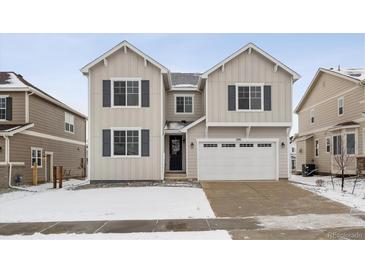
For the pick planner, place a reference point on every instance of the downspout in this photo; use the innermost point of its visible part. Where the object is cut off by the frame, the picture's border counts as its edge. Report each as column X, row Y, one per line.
column 10, row 164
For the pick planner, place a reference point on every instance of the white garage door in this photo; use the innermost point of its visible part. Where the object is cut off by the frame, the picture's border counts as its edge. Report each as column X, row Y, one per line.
column 251, row 160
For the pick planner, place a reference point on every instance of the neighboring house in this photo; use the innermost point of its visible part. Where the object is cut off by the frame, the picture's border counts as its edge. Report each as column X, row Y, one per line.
column 37, row 128
column 331, row 119
column 292, row 154
column 228, row 123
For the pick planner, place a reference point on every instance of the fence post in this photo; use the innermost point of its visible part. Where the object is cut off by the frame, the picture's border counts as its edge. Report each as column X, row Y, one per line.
column 54, row 177
column 35, row 174
column 61, row 176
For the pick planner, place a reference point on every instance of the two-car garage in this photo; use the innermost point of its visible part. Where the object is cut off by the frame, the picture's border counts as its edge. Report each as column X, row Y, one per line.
column 238, row 159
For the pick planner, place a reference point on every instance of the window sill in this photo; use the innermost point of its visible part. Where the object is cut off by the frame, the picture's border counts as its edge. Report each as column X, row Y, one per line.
column 126, row 107
column 250, row 110
column 125, row 156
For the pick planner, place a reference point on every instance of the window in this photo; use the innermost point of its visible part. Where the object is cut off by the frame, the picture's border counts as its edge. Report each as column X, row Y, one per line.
column 126, row 93
column 263, row 145
column 350, row 143
column 340, row 106
column 36, row 157
column 316, row 148
column 336, row 144
column 246, row 145
column 292, row 149
column 311, row 114
column 126, row 142
column 2, row 108
column 210, row 145
column 249, row 97
column 184, row 104
column 69, row 122
column 228, row 145
column 328, row 145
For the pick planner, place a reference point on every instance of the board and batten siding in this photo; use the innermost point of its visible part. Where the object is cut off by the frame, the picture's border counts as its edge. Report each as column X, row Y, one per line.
column 323, row 99
column 198, row 110
column 50, row 119
column 194, row 133
column 18, row 113
column 121, row 64
column 249, row 68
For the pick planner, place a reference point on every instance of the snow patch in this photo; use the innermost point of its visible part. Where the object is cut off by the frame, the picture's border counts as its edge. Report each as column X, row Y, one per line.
column 13, row 82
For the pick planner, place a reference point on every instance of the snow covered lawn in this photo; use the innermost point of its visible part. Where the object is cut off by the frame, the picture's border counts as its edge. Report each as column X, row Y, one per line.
column 198, row 235
column 356, row 200
column 124, row 203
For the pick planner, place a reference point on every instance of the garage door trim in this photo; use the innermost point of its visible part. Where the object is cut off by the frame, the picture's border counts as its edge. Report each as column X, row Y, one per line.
column 238, row 140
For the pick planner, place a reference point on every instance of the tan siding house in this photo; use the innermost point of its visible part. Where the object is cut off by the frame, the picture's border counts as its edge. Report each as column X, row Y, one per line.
column 333, row 105
column 228, row 123
column 37, row 128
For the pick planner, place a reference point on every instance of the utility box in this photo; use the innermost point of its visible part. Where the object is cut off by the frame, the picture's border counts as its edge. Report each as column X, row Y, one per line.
column 307, row 170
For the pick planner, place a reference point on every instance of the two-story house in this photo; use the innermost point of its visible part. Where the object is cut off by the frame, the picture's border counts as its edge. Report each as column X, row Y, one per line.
column 231, row 122
column 37, row 130
column 331, row 120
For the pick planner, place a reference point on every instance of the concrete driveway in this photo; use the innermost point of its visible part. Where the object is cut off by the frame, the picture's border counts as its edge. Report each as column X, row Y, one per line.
column 245, row 199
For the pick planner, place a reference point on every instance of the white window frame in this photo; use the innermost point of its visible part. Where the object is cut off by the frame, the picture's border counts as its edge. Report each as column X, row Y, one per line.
column 355, row 142
column 333, row 137
column 192, row 102
column 316, row 149
column 249, row 97
column 126, row 129
column 341, row 99
column 311, row 115
column 31, row 156
column 4, row 96
column 112, row 80
column 330, row 144
column 67, row 121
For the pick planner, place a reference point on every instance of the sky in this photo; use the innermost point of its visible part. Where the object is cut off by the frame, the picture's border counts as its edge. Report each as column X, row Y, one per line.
column 52, row 62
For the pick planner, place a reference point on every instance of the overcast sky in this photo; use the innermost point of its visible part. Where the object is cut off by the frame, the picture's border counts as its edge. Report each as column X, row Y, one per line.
column 53, row 61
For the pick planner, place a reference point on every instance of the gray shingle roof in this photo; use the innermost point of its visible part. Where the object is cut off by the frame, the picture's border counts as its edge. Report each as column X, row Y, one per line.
column 186, row 79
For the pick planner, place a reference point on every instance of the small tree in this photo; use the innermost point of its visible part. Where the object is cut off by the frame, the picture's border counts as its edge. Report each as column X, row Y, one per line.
column 342, row 160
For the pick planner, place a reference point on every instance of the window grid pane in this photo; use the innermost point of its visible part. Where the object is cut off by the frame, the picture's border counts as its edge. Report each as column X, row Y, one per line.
column 2, row 108
column 180, row 104
column 132, row 93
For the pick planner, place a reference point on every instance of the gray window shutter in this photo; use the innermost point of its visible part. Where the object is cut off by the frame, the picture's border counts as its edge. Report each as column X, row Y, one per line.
column 231, row 97
column 145, row 93
column 145, row 142
column 106, row 142
column 9, row 108
column 106, row 93
column 267, row 98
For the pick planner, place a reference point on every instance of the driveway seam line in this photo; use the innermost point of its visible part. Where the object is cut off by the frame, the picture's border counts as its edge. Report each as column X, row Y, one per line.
column 97, row 230
column 206, row 220
column 48, row 227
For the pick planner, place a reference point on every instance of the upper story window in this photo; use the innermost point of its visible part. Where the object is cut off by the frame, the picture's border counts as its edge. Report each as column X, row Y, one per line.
column 36, row 157
column 2, row 108
column 311, row 116
column 69, row 122
column 249, row 97
column 126, row 93
column 126, row 142
column 340, row 106
column 184, row 104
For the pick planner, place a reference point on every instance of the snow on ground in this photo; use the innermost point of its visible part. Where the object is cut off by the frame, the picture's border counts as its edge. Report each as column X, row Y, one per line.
column 198, row 235
column 310, row 221
column 124, row 203
column 356, row 200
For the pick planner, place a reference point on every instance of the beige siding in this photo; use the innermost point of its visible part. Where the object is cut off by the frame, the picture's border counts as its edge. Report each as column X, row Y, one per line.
column 50, row 119
column 249, row 68
column 2, row 150
column 305, row 153
column 18, row 107
column 170, row 106
column 192, row 135
column 128, row 64
column 226, row 132
column 65, row 154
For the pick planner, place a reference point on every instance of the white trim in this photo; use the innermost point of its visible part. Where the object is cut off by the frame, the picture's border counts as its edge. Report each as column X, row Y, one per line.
column 174, row 88
column 249, row 96
column 50, row 153
column 355, row 140
column 249, row 47
column 315, row 148
column 343, row 127
column 67, row 122
column 239, row 140
column 314, row 80
column 312, row 115
column 52, row 137
column 125, row 44
column 247, row 124
column 112, row 129
column 26, row 107
column 185, row 129
column 18, row 129
column 125, row 79
column 89, row 127
column 192, row 104
column 338, row 105
column 1, row 97
column 12, row 163
column 162, row 124
column 31, row 156
column 206, row 99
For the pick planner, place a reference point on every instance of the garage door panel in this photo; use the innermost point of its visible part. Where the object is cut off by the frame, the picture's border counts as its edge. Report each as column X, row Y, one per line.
column 253, row 161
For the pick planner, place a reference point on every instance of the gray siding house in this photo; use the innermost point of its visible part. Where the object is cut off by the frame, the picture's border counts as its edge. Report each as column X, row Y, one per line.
column 230, row 122
column 37, row 128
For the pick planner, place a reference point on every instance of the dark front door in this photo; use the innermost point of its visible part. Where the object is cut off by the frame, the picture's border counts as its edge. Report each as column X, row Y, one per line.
column 175, row 152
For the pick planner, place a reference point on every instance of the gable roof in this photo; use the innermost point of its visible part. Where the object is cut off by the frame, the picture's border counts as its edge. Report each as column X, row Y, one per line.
column 342, row 74
column 11, row 81
column 85, row 69
column 295, row 75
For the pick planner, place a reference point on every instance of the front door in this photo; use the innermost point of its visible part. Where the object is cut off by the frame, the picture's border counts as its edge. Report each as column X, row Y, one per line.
column 175, row 152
